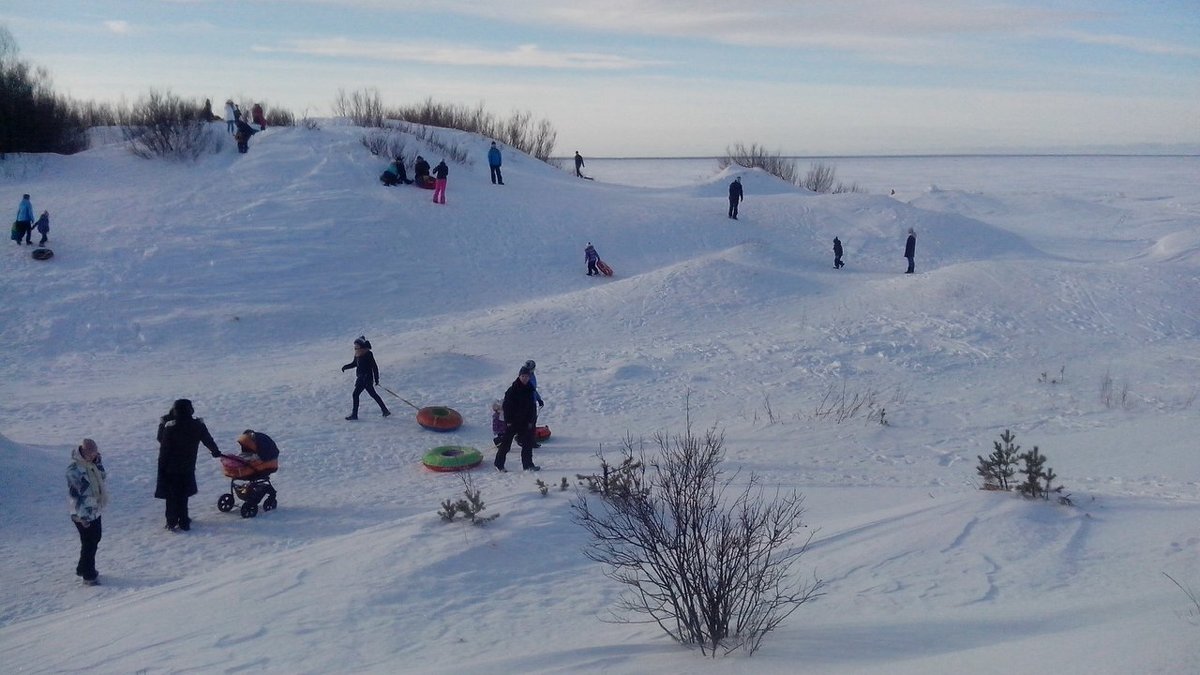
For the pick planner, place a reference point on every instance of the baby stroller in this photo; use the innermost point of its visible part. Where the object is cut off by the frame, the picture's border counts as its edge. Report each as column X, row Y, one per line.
column 250, row 474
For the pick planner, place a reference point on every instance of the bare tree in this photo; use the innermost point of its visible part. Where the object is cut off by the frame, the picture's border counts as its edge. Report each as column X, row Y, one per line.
column 710, row 563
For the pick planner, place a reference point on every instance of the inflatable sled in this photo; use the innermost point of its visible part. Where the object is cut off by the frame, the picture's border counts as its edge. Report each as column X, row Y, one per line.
column 541, row 433
column 604, row 268
column 452, row 458
column 42, row 254
column 439, row 418
column 424, row 182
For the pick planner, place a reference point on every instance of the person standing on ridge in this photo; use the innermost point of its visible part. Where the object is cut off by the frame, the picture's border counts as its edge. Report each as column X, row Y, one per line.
column 578, row 164
column 494, row 161
column 837, row 254
column 910, row 249
column 439, row 183
column 366, row 374
column 735, row 197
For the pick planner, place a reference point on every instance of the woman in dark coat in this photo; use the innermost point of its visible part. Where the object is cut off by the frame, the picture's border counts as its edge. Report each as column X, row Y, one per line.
column 910, row 249
column 520, row 412
column 179, row 437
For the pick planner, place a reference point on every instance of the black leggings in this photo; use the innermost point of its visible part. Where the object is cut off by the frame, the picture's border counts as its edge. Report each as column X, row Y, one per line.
column 362, row 385
column 89, row 541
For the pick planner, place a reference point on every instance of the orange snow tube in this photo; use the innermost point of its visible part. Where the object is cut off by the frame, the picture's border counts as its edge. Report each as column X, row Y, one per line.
column 439, row 418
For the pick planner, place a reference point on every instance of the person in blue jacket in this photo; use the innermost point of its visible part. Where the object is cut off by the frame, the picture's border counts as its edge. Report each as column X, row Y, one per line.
column 494, row 163
column 23, row 225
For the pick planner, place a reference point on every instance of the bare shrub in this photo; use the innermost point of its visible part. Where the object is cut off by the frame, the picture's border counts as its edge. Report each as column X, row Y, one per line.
column 757, row 157
column 819, row 177
column 840, row 405
column 162, row 124
column 363, row 107
column 385, row 143
column 711, row 564
column 520, row 131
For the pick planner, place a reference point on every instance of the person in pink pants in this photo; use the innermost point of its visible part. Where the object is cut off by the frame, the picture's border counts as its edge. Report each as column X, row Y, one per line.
column 439, row 184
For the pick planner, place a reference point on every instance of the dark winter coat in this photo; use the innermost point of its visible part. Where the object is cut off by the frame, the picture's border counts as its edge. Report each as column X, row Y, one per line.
column 178, row 440
column 421, row 168
column 590, row 255
column 578, row 161
column 441, row 171
column 910, row 246
column 837, row 247
column 365, row 368
column 520, row 409
column 735, row 191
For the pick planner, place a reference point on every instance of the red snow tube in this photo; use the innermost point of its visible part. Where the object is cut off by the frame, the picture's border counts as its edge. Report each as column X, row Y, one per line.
column 541, row 433
column 439, row 418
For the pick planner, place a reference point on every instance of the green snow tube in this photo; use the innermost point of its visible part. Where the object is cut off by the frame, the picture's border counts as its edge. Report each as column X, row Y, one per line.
column 452, row 458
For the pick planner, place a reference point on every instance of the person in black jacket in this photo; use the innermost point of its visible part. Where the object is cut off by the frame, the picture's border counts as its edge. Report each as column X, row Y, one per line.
column 837, row 254
column 366, row 373
column 910, row 249
column 439, row 182
column 421, row 173
column 735, row 196
column 179, row 437
column 520, row 412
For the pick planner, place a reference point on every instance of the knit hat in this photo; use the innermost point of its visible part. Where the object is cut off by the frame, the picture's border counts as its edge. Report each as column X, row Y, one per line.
column 530, row 365
column 363, row 342
column 525, row 371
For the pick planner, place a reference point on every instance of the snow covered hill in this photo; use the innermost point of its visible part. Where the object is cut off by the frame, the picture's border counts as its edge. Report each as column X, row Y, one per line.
column 239, row 281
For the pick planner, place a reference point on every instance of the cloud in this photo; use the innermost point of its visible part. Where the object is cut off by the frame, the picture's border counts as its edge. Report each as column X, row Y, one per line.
column 1134, row 44
column 522, row 56
column 119, row 27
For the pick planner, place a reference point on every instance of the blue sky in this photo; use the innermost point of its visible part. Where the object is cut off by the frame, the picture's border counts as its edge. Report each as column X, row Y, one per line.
column 667, row 77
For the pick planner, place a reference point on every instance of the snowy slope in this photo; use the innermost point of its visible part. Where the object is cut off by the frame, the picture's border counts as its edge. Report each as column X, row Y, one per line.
column 239, row 281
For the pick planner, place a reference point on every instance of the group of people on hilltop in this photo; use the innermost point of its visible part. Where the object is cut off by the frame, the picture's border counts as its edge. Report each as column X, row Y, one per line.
column 737, row 194
column 180, row 435
column 237, row 125
column 24, row 225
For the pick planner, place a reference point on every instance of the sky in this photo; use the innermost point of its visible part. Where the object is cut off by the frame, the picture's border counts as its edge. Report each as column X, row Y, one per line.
column 671, row 78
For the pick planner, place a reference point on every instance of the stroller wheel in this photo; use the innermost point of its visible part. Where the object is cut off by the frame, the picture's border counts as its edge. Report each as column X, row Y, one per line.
column 270, row 503
column 225, row 503
column 249, row 510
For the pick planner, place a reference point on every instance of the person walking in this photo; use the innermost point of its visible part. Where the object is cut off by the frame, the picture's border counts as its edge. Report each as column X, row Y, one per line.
column 230, row 116
column 578, row 164
column 837, row 254
column 23, row 225
column 494, row 161
column 735, row 197
column 910, row 249
column 89, row 496
column 366, row 374
column 43, row 227
column 439, row 183
column 242, row 136
column 179, row 437
column 519, row 417
column 591, row 258
column 537, row 398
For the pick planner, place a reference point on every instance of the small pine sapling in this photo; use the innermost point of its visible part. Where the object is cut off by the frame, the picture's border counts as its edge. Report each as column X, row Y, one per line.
column 1001, row 464
column 564, row 485
column 542, row 487
column 1032, row 463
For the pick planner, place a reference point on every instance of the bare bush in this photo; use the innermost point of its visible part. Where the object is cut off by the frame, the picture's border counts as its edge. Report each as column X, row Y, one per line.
column 520, row 131
column 363, row 107
column 757, row 157
column 840, row 405
column 711, row 564
column 385, row 143
column 165, row 125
